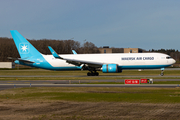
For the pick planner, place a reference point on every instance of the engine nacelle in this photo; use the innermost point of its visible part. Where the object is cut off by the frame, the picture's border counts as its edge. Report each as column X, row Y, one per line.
column 110, row 68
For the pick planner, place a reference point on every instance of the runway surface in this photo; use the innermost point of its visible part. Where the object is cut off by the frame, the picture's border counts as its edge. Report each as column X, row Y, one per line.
column 9, row 86
column 82, row 83
column 77, row 83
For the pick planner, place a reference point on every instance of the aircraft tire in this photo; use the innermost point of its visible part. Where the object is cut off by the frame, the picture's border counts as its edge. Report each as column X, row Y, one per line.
column 92, row 74
column 162, row 74
column 96, row 74
column 88, row 74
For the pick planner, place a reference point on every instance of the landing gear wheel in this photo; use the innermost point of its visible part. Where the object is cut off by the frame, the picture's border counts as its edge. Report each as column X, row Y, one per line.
column 162, row 74
column 96, row 74
column 92, row 74
column 88, row 74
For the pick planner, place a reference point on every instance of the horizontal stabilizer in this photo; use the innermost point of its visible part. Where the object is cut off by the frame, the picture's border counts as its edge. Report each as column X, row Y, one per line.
column 54, row 53
column 19, row 59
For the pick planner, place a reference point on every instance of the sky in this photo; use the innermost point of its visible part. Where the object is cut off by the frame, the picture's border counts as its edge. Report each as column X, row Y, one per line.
column 146, row 24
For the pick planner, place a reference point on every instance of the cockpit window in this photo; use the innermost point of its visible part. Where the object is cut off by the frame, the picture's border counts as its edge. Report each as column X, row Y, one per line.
column 168, row 57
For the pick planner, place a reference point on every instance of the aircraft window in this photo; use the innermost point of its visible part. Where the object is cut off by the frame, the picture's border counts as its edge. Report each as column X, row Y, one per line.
column 168, row 57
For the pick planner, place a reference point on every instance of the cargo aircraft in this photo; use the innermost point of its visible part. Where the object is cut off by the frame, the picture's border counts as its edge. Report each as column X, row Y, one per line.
column 107, row 63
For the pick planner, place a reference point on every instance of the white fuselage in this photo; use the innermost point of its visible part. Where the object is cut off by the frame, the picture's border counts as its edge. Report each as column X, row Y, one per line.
column 125, row 60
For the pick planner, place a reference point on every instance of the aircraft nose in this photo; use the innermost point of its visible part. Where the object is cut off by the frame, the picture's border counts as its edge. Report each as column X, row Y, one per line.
column 174, row 61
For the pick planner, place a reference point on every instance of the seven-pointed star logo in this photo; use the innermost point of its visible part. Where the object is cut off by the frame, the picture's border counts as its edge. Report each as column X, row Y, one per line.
column 24, row 48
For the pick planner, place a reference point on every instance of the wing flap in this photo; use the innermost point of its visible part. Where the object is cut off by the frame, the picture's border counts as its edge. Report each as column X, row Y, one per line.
column 80, row 62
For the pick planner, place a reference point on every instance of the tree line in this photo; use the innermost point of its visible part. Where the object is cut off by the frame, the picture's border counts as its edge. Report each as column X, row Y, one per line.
column 8, row 48
column 172, row 52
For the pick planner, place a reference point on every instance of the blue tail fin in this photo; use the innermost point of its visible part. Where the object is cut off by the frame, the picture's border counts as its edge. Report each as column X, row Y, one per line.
column 25, row 49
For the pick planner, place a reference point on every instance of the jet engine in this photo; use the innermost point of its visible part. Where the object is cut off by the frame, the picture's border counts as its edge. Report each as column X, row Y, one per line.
column 110, row 68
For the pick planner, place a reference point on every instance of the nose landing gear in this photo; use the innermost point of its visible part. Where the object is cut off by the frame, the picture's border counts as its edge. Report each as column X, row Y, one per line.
column 162, row 72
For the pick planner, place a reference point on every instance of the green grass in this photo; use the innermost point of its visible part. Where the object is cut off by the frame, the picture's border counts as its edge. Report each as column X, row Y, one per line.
column 142, row 95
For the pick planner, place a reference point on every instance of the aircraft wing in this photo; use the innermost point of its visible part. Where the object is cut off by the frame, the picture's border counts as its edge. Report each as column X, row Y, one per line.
column 80, row 62
column 54, row 53
column 74, row 52
column 76, row 61
column 22, row 60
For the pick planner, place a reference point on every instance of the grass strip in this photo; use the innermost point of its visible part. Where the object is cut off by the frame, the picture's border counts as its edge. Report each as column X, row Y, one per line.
column 142, row 95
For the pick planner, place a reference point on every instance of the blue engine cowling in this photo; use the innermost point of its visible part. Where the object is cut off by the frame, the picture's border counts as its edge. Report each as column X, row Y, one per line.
column 111, row 68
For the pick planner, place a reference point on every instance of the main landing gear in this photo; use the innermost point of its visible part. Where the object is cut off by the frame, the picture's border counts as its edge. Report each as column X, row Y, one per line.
column 162, row 72
column 92, row 73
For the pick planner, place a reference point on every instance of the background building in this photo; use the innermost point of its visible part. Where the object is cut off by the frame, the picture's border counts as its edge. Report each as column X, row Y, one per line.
column 133, row 50
column 7, row 65
column 105, row 49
